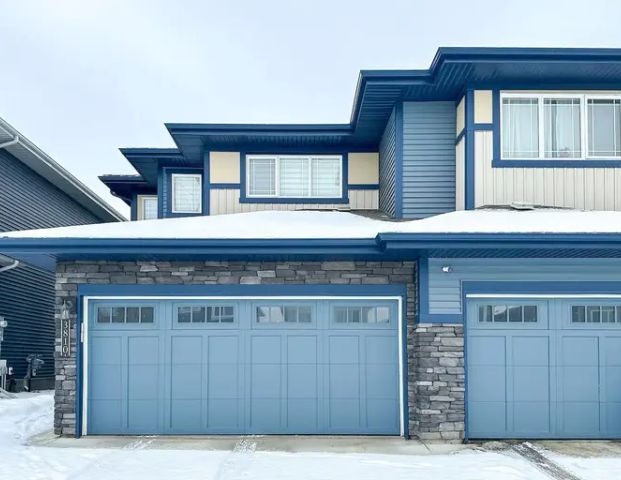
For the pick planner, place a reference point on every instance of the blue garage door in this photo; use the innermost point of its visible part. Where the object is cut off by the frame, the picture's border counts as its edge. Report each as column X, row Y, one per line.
column 544, row 368
column 243, row 366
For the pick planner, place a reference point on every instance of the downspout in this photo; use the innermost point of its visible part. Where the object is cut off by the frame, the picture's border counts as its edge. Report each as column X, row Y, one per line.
column 10, row 142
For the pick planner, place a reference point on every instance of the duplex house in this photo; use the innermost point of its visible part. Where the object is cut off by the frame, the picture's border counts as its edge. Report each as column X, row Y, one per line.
column 445, row 265
column 35, row 192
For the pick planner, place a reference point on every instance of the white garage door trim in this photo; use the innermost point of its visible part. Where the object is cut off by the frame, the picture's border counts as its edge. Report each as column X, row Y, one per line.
column 85, row 322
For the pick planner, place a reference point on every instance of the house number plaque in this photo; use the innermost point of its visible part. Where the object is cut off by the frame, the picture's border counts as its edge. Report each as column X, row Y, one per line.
column 65, row 337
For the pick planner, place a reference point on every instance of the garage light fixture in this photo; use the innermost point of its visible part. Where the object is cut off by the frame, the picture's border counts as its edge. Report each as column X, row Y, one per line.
column 447, row 269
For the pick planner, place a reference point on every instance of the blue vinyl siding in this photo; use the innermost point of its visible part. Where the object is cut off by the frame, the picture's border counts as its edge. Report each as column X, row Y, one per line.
column 428, row 158
column 387, row 167
column 27, row 303
column 445, row 295
column 29, row 201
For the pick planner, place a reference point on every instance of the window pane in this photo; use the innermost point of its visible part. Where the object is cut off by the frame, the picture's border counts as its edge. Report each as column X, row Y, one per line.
column 500, row 313
column 146, row 315
column 578, row 314
column 485, row 313
column 304, row 314
column 515, row 313
column 608, row 314
column 561, row 127
column 262, row 176
column 149, row 208
column 187, row 193
column 133, row 314
column 291, row 314
column 198, row 314
column 227, row 314
column 368, row 314
column 326, row 177
column 593, row 314
column 353, row 315
column 294, row 177
column 604, row 127
column 383, row 315
column 520, row 128
column 118, row 315
column 530, row 313
column 184, row 314
column 340, row 314
column 103, row 314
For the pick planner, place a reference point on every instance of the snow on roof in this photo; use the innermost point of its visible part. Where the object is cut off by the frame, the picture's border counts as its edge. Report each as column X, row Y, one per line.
column 335, row 225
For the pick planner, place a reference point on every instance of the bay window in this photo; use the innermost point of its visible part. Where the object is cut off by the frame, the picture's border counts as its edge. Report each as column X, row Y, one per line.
column 571, row 126
column 294, row 176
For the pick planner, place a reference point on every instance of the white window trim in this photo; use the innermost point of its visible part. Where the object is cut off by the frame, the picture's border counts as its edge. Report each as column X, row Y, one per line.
column 172, row 192
column 277, row 158
column 140, row 207
column 584, row 97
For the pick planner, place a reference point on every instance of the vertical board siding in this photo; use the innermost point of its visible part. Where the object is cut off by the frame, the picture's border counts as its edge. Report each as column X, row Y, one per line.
column 445, row 288
column 28, row 200
column 428, row 158
column 387, row 167
column 460, row 175
column 226, row 200
column 579, row 188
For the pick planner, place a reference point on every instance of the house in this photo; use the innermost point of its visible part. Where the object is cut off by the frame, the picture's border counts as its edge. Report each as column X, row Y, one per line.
column 446, row 265
column 35, row 192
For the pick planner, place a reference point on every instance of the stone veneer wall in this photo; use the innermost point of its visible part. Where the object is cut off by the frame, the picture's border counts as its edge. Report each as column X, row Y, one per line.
column 70, row 274
column 436, row 381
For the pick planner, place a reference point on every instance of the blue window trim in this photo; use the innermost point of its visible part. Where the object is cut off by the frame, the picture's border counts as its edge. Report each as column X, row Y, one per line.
column 363, row 186
column 498, row 162
column 133, row 215
column 243, row 198
column 167, row 174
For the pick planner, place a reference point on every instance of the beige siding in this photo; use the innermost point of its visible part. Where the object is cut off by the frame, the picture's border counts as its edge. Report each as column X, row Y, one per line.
column 483, row 106
column 224, row 167
column 581, row 188
column 460, row 120
column 363, row 168
column 222, row 201
column 460, row 176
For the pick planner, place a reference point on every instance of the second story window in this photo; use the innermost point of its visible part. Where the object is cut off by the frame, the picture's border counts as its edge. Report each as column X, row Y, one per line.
column 147, row 207
column 571, row 126
column 294, row 176
column 186, row 193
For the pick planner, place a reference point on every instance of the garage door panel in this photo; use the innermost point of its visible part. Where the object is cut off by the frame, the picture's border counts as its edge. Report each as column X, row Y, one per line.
column 530, row 350
column 486, row 350
column 531, row 384
column 487, row 418
column 580, row 418
column 202, row 369
column 579, row 350
column 532, row 418
column 487, row 384
column 611, row 418
column 612, row 384
column 579, row 384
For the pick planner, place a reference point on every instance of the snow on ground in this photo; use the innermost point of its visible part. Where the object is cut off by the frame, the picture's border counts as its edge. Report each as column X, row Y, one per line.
column 30, row 414
column 600, row 468
column 330, row 225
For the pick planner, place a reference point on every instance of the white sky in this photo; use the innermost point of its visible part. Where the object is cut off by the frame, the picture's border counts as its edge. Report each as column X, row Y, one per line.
column 81, row 78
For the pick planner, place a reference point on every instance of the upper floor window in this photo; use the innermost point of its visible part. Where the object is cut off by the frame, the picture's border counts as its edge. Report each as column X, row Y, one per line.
column 560, row 126
column 294, row 176
column 147, row 207
column 186, row 193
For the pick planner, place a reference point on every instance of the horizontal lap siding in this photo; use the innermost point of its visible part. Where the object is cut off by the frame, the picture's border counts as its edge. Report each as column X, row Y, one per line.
column 428, row 158
column 445, row 288
column 387, row 167
column 28, row 201
column 581, row 188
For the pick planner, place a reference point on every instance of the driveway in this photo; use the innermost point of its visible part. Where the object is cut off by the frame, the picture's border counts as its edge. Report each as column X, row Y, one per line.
column 31, row 451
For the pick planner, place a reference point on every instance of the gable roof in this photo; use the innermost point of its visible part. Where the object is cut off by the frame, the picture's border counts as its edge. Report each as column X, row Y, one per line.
column 40, row 162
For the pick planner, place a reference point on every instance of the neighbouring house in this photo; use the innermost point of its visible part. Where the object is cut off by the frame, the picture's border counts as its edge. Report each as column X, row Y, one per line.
column 35, row 192
column 446, row 265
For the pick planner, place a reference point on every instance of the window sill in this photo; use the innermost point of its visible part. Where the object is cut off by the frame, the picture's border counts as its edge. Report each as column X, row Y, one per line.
column 310, row 200
column 616, row 163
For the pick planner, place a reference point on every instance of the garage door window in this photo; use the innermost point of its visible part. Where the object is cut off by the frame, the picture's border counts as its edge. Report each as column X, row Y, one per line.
column 202, row 314
column 355, row 315
column 125, row 315
column 291, row 314
column 507, row 314
column 595, row 314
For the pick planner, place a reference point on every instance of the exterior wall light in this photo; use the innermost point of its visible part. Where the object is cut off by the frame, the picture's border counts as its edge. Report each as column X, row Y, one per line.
column 447, row 269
